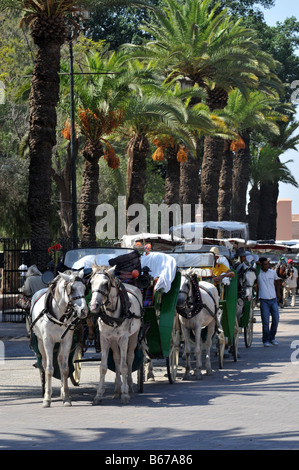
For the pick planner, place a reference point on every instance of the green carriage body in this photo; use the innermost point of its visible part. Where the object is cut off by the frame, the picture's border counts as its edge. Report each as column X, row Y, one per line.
column 161, row 318
column 229, row 309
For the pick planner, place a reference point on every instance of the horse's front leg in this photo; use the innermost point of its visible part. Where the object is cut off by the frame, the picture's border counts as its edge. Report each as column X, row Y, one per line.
column 211, row 330
column 197, row 352
column 103, row 370
column 130, row 358
column 63, row 359
column 186, row 334
column 46, row 349
column 116, row 358
column 123, row 346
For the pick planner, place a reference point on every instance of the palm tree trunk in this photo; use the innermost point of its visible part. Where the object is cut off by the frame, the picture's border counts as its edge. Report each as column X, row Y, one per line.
column 225, row 184
column 138, row 149
column 190, row 181
column 42, row 137
column 268, row 211
column 92, row 152
column 212, row 161
column 241, row 179
column 172, row 179
column 62, row 178
column 253, row 211
column 210, row 175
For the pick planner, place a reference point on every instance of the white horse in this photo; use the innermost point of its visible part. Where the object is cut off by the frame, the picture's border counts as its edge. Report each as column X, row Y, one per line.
column 119, row 308
column 246, row 280
column 54, row 313
column 197, row 306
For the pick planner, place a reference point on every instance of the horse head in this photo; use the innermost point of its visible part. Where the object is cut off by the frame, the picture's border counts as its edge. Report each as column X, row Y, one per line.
column 71, row 289
column 185, row 295
column 102, row 280
column 248, row 281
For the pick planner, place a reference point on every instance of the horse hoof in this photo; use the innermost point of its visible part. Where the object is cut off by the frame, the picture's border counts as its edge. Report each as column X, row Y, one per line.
column 187, row 376
column 67, row 404
column 125, row 400
column 46, row 404
column 116, row 395
column 209, row 372
column 198, row 376
column 97, row 401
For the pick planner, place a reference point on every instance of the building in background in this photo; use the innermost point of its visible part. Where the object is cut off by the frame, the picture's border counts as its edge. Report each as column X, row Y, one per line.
column 287, row 223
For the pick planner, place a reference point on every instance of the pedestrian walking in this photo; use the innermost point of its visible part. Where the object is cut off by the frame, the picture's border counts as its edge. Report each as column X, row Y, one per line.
column 290, row 284
column 269, row 296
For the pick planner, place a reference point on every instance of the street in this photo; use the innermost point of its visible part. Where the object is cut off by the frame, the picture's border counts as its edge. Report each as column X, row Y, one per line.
column 250, row 404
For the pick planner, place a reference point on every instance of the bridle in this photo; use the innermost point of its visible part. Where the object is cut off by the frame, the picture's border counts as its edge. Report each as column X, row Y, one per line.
column 122, row 296
column 69, row 312
column 197, row 302
column 193, row 303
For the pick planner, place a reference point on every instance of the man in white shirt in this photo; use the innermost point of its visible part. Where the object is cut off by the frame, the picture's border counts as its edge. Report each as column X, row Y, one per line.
column 290, row 284
column 269, row 295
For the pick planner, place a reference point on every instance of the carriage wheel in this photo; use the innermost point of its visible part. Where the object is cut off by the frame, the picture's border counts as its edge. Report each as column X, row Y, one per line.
column 140, row 377
column 172, row 360
column 235, row 345
column 248, row 330
column 76, row 375
column 220, row 345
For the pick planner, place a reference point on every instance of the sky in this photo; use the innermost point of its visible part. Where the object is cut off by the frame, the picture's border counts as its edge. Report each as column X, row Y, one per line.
column 284, row 9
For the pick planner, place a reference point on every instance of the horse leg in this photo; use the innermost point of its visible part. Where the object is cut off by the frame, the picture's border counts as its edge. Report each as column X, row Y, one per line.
column 130, row 358
column 103, row 370
column 123, row 345
column 46, row 350
column 197, row 352
column 150, row 370
column 63, row 359
column 186, row 334
column 211, row 329
column 116, row 358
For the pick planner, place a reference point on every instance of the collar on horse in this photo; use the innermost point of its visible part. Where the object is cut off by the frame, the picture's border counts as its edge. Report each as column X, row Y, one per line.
column 48, row 310
column 122, row 296
column 197, row 303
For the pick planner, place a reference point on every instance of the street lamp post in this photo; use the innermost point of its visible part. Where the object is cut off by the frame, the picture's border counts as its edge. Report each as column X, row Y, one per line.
column 82, row 16
column 73, row 152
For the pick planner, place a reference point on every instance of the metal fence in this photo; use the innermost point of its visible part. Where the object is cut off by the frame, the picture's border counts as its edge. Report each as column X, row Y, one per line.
column 15, row 258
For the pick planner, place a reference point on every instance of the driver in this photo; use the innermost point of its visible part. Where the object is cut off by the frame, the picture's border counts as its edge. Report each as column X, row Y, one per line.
column 33, row 282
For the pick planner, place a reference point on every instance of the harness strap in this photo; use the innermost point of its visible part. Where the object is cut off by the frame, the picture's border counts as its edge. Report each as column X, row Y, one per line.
column 199, row 305
column 49, row 311
column 126, row 313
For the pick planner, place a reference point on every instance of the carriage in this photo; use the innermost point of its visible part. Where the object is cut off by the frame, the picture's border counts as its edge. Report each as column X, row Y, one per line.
column 159, row 283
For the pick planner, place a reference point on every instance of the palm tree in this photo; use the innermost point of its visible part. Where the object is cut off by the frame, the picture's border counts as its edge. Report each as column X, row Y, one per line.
column 269, row 190
column 148, row 116
column 266, row 171
column 100, row 99
column 48, row 27
column 258, row 112
column 217, row 53
column 47, row 20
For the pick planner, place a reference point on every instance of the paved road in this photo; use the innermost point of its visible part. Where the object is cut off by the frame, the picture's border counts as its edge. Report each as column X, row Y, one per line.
column 250, row 404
